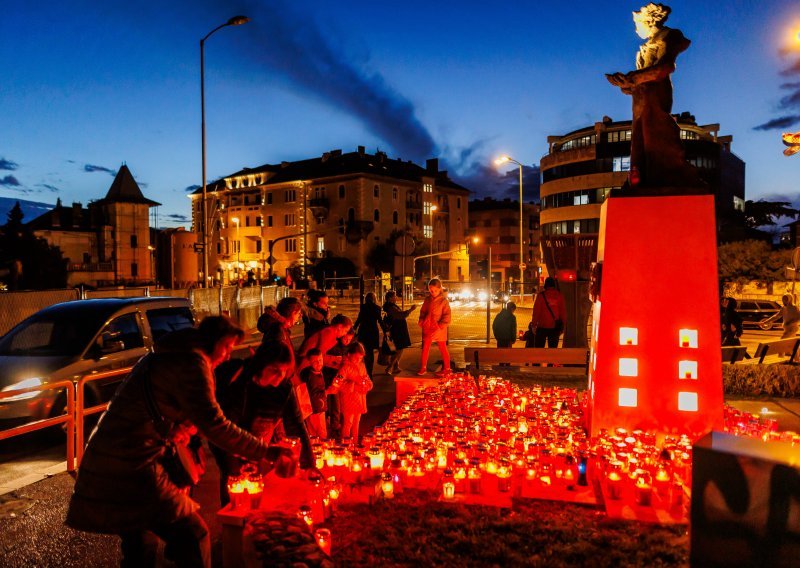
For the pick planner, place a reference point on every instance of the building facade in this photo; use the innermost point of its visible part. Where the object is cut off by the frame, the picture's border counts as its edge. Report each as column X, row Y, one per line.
column 582, row 168
column 338, row 205
column 107, row 243
column 496, row 224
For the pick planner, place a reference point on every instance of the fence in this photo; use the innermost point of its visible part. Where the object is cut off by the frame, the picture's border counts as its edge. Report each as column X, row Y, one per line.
column 242, row 304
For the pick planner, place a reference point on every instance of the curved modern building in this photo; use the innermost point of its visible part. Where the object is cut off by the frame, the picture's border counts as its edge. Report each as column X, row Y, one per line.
column 582, row 167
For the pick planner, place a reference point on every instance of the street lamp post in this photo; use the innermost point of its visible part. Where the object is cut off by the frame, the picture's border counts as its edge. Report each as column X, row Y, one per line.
column 433, row 210
column 238, row 246
column 503, row 160
column 235, row 21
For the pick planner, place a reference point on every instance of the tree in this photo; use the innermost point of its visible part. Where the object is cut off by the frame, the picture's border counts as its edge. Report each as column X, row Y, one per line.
column 331, row 266
column 744, row 261
column 30, row 261
column 761, row 213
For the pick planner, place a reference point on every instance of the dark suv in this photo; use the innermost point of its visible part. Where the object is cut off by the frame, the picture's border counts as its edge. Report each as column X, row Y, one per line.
column 69, row 340
column 753, row 312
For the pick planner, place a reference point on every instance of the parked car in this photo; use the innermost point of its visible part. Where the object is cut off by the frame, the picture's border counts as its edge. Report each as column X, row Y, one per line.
column 754, row 312
column 69, row 340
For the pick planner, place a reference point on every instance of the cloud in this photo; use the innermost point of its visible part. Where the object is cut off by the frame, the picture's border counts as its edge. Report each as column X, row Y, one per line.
column 48, row 187
column 793, row 69
column 90, row 168
column 10, row 181
column 8, row 165
column 191, row 188
column 779, row 123
column 177, row 218
column 296, row 48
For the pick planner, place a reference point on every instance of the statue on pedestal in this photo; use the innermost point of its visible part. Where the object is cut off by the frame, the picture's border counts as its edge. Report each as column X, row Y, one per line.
column 657, row 156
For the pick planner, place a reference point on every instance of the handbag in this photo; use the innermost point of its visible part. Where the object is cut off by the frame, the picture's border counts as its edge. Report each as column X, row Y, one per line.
column 303, row 400
column 386, row 351
column 183, row 463
column 558, row 325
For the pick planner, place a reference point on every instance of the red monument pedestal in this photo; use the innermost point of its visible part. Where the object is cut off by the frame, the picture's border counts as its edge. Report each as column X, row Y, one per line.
column 655, row 362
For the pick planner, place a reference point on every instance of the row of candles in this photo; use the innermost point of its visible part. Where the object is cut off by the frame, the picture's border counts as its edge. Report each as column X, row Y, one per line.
column 490, row 437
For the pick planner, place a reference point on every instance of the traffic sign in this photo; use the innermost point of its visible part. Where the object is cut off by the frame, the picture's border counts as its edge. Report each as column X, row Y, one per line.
column 523, row 266
column 271, row 260
column 198, row 247
column 404, row 245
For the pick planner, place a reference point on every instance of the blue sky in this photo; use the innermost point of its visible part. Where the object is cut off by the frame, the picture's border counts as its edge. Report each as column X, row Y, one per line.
column 89, row 85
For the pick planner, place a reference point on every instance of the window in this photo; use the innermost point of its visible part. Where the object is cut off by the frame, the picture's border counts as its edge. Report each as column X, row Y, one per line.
column 290, row 245
column 622, row 164
column 258, row 245
column 290, row 219
column 247, row 220
column 269, row 220
column 458, row 203
column 619, row 136
column 320, row 245
column 319, row 193
column 376, row 216
column 427, row 188
column 395, row 217
column 341, row 192
column 394, row 194
column 290, row 195
column 165, row 320
column 582, row 142
column 236, row 247
column 351, row 215
column 126, row 330
column 342, row 243
column 269, row 198
column 134, row 269
column 738, row 204
column 376, row 191
column 134, row 241
column 259, row 221
column 426, row 208
column 689, row 135
column 219, row 248
column 427, row 231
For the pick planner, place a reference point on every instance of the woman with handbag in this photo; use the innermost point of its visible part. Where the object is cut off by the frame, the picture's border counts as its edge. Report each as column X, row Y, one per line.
column 549, row 316
column 368, row 330
column 129, row 481
column 396, row 332
column 434, row 319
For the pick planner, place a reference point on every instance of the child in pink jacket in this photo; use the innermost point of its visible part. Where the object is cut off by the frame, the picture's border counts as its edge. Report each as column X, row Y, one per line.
column 353, row 384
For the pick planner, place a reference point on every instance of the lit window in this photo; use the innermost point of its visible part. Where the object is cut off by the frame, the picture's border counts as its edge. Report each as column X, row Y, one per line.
column 629, row 397
column 628, row 367
column 629, row 336
column 688, row 338
column 687, row 369
column 687, row 401
column 622, row 164
column 427, row 231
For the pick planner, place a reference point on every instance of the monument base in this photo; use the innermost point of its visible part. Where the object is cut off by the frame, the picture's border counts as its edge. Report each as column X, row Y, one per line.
column 655, row 362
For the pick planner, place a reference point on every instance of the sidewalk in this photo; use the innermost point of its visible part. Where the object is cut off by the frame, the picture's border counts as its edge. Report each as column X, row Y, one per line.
column 33, row 533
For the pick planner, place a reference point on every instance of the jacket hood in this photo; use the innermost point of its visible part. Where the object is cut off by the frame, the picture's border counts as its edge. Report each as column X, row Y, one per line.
column 270, row 317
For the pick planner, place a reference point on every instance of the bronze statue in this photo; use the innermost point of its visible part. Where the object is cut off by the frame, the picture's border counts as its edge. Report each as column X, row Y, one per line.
column 657, row 157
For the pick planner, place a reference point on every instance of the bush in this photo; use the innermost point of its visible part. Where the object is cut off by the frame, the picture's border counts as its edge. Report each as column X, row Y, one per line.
column 762, row 380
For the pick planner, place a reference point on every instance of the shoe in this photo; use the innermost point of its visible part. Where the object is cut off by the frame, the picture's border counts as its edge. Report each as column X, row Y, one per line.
column 422, row 372
column 388, row 371
column 441, row 374
column 396, row 370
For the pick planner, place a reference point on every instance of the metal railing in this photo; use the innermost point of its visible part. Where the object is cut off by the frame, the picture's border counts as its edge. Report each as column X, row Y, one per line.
column 68, row 418
column 81, row 412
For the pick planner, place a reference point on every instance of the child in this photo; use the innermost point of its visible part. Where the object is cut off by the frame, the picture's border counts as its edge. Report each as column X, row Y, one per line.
column 353, row 384
column 315, row 382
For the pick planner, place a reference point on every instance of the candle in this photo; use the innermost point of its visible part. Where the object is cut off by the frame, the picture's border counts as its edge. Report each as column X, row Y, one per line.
column 644, row 492
column 614, row 483
column 387, row 486
column 448, row 486
column 323, row 538
column 305, row 514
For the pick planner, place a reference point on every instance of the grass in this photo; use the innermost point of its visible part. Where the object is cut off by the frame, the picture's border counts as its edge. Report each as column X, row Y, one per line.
column 415, row 530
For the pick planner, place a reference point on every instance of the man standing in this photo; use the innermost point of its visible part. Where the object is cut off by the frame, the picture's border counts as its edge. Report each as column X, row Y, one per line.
column 504, row 326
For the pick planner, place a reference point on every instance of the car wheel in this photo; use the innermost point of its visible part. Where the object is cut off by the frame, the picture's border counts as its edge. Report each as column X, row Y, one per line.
column 766, row 326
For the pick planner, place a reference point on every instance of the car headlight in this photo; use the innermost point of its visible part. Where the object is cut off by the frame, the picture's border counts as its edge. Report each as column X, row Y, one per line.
column 482, row 296
column 26, row 384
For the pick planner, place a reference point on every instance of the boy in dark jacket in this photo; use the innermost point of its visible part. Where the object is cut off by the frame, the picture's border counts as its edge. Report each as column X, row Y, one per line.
column 315, row 382
column 505, row 326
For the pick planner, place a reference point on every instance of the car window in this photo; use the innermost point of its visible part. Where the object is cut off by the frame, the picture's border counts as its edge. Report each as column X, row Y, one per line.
column 164, row 320
column 747, row 306
column 767, row 306
column 51, row 334
column 125, row 329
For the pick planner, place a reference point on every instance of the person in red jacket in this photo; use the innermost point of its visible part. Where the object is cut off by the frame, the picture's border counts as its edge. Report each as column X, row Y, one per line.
column 549, row 316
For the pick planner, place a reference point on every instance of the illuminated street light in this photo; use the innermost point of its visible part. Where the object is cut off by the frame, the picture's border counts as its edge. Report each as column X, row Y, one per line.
column 499, row 161
column 235, row 21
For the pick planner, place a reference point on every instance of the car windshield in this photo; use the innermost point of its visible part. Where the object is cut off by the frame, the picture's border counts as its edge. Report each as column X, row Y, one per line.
column 53, row 334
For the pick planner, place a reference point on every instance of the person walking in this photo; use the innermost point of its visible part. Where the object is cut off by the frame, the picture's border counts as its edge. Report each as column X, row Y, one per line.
column 123, row 486
column 549, row 315
column 731, row 323
column 396, row 327
column 504, row 326
column 789, row 315
column 368, row 330
column 434, row 319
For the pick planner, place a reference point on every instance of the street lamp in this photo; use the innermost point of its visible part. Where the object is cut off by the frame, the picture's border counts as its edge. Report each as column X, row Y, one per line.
column 238, row 246
column 433, row 210
column 235, row 21
column 522, row 267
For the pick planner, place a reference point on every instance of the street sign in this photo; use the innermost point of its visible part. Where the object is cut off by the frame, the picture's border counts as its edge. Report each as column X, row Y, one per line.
column 404, row 245
column 271, row 260
column 386, row 279
column 198, row 247
column 523, row 266
column 408, row 280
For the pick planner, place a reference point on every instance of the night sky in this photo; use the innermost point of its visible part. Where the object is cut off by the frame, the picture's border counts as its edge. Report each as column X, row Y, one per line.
column 89, row 85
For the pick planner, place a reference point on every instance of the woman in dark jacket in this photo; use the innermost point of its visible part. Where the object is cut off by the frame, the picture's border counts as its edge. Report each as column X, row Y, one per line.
column 122, row 487
column 368, row 330
column 731, row 323
column 257, row 395
column 397, row 328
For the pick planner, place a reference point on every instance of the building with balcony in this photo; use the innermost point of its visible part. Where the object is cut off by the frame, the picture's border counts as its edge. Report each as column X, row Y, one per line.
column 335, row 205
column 106, row 243
column 496, row 224
column 582, row 168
